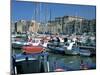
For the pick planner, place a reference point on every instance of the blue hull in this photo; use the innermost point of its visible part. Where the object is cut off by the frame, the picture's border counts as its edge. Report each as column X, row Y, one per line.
column 29, row 63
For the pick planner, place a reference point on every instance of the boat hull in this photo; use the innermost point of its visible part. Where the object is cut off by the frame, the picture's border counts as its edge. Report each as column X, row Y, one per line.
column 19, row 45
column 56, row 50
column 32, row 49
column 28, row 63
column 87, row 51
column 71, row 52
column 84, row 52
column 62, row 50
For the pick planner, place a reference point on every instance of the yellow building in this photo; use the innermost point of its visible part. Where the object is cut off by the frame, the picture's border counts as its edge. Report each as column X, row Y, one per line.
column 34, row 26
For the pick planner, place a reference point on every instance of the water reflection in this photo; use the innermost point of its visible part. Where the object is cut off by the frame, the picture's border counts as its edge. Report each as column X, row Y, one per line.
column 70, row 62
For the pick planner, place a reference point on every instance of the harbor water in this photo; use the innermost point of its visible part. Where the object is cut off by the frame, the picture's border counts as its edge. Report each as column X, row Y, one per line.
column 69, row 63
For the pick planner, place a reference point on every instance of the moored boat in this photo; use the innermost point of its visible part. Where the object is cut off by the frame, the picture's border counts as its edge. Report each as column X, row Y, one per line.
column 62, row 49
column 87, row 50
column 71, row 52
column 72, row 49
column 32, row 49
column 56, row 50
column 84, row 52
column 25, row 63
column 19, row 44
column 34, row 42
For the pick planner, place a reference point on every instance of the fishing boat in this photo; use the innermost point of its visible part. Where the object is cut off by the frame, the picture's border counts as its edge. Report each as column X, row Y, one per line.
column 71, row 52
column 62, row 49
column 33, row 49
column 37, row 42
column 36, row 46
column 19, row 44
column 55, row 49
column 72, row 49
column 25, row 63
column 34, row 41
column 87, row 51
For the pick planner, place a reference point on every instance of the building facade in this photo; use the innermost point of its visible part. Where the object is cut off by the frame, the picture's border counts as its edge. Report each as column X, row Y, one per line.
column 71, row 25
column 23, row 26
column 34, row 26
column 66, row 25
column 12, row 27
column 62, row 25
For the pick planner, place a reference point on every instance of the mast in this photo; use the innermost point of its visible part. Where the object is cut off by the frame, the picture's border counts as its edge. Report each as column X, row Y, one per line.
column 75, row 23
column 50, row 19
column 45, row 17
column 37, row 14
column 40, row 12
column 80, row 25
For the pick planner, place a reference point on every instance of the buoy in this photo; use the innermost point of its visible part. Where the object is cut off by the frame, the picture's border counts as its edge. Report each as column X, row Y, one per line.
column 59, row 70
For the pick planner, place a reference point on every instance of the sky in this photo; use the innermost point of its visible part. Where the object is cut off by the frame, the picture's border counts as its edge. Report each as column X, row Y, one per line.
column 48, row 11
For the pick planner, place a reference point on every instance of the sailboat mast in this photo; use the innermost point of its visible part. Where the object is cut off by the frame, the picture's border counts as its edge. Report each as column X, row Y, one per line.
column 45, row 17
column 50, row 15
column 75, row 26
column 80, row 25
column 39, row 14
column 35, row 15
column 75, row 23
column 50, row 20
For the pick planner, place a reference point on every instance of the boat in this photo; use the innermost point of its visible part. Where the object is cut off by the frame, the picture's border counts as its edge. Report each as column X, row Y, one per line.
column 33, row 49
column 19, row 44
column 84, row 53
column 62, row 49
column 25, row 63
column 71, row 52
column 38, row 42
column 36, row 46
column 55, row 49
column 87, row 50
column 72, row 49
column 34, row 42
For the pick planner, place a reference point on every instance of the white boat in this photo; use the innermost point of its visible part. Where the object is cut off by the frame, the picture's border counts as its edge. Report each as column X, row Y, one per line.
column 68, row 50
column 72, row 49
column 19, row 44
column 38, row 42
